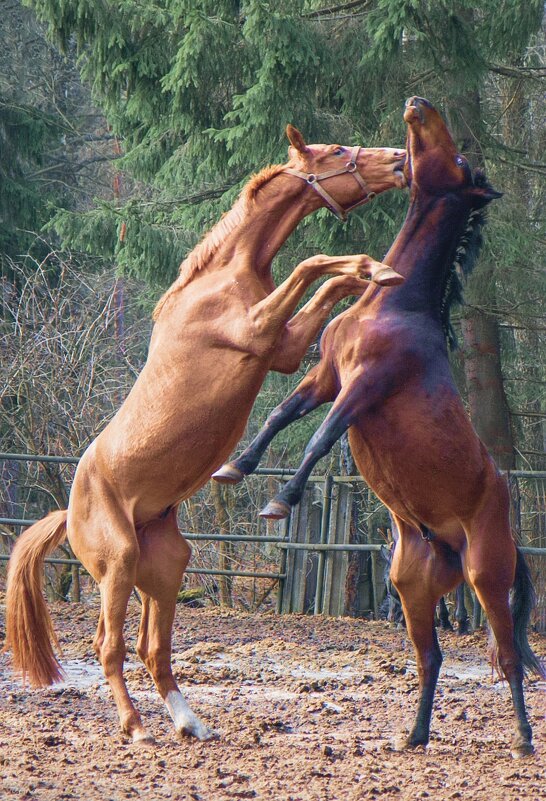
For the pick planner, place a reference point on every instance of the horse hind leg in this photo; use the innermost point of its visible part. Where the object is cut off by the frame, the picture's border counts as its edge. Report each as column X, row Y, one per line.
column 492, row 568
column 164, row 555
column 422, row 572
column 107, row 547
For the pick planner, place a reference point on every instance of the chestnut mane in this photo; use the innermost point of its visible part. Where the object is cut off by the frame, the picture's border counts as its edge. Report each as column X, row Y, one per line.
column 203, row 252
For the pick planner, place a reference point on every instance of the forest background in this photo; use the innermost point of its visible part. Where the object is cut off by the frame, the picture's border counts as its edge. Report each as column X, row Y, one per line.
column 128, row 128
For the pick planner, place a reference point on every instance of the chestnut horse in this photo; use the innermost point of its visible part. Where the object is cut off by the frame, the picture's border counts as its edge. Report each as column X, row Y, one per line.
column 385, row 365
column 218, row 330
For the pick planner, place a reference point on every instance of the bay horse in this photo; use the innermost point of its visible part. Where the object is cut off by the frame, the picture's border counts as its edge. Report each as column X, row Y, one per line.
column 218, row 330
column 384, row 364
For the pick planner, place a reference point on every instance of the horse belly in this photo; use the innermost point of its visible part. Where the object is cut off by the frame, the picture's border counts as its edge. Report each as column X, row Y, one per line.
column 170, row 436
column 422, row 458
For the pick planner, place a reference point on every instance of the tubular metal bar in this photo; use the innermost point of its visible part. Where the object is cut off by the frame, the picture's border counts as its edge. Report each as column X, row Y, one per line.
column 19, row 521
column 281, row 542
column 282, row 567
column 260, row 471
column 324, row 531
column 241, row 573
column 49, row 559
column 29, row 457
column 337, row 546
column 204, row 571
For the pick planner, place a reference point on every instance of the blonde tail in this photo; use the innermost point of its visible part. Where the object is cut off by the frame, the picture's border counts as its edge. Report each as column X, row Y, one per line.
column 29, row 630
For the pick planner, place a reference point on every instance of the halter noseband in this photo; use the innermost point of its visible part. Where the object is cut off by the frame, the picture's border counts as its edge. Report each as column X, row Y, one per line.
column 314, row 182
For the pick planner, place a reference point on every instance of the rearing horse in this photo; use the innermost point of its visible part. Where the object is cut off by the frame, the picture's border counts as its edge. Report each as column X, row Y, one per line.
column 385, row 365
column 218, row 330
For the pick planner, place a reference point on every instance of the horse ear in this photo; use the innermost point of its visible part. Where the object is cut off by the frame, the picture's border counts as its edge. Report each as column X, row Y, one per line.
column 482, row 190
column 296, row 139
column 485, row 194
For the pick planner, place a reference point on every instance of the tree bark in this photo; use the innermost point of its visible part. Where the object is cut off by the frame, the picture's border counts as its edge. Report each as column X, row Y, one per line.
column 225, row 583
column 486, row 397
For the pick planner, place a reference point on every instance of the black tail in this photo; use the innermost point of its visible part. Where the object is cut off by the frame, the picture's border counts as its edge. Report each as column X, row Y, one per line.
column 522, row 604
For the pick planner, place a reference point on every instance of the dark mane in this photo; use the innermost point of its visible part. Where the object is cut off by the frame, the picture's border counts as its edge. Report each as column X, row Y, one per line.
column 466, row 255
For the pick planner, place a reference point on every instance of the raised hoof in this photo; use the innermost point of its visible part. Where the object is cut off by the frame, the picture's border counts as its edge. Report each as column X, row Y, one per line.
column 228, row 474
column 276, row 510
column 388, row 277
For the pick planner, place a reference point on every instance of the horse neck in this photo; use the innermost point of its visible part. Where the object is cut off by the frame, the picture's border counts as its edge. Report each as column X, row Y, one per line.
column 423, row 252
column 270, row 217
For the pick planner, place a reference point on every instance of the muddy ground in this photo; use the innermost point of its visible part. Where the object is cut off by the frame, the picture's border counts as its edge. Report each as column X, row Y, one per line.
column 307, row 709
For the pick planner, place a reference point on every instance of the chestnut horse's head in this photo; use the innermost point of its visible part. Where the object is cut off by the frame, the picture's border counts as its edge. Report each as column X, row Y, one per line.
column 433, row 164
column 345, row 176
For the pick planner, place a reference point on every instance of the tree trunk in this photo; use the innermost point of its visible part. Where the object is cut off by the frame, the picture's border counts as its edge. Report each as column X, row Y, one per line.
column 225, row 583
column 486, row 398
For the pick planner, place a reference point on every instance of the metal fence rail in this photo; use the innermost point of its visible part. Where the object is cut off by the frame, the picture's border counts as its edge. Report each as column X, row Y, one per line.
column 329, row 542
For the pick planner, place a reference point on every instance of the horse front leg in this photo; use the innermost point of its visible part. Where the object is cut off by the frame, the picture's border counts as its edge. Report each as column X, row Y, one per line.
column 270, row 315
column 302, row 330
column 363, row 389
column 335, row 424
column 310, row 394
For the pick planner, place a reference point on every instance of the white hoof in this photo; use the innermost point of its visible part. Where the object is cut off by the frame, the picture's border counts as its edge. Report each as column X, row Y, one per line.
column 186, row 722
column 142, row 738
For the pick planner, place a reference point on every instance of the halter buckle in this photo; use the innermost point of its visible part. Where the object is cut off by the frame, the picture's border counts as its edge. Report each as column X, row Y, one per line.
column 311, row 178
column 351, row 166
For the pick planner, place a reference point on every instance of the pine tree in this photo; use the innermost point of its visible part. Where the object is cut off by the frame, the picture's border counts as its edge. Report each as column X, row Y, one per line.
column 198, row 94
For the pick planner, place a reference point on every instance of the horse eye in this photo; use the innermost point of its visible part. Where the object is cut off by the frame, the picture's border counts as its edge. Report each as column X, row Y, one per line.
column 339, row 151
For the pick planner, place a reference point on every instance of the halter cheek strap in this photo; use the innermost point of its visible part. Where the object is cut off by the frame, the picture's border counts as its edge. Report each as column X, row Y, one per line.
column 350, row 167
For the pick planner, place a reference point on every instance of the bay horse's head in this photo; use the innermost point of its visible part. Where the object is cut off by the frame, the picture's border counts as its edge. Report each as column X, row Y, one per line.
column 344, row 176
column 433, row 163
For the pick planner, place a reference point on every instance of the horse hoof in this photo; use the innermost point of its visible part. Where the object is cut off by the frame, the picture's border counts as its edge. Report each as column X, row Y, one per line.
column 199, row 731
column 276, row 510
column 228, row 474
column 387, row 277
column 403, row 742
column 143, row 740
column 521, row 750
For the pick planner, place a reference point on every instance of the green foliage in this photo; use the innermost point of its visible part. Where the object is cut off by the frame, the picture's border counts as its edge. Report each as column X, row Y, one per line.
column 198, row 93
column 25, row 134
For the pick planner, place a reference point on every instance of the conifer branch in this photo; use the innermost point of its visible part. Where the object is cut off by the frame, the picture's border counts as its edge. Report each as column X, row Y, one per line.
column 326, row 12
column 534, row 73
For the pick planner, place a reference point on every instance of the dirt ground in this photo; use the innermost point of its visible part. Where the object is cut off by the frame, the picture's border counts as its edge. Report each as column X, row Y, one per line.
column 308, row 709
